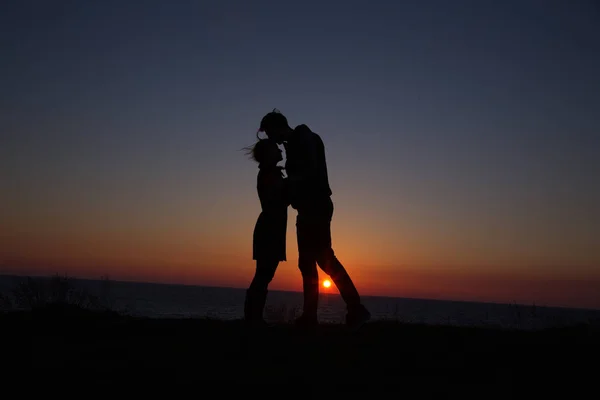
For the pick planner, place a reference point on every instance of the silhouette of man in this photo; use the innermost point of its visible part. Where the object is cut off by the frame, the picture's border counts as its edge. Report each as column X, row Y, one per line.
column 310, row 195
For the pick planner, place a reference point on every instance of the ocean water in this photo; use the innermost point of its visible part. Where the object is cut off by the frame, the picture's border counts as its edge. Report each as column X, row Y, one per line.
column 180, row 301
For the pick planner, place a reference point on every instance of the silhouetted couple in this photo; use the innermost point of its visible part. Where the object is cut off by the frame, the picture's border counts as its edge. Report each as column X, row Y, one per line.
column 307, row 190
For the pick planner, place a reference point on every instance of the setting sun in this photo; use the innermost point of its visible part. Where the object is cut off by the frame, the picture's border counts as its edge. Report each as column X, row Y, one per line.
column 326, row 283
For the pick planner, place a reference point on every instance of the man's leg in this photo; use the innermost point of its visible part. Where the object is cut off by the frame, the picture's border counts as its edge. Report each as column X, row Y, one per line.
column 256, row 295
column 329, row 263
column 357, row 313
column 308, row 268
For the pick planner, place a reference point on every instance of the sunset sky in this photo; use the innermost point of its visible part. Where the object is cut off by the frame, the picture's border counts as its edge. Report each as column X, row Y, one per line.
column 462, row 138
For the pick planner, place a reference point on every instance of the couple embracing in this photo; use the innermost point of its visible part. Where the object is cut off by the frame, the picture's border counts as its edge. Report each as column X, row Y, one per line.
column 307, row 190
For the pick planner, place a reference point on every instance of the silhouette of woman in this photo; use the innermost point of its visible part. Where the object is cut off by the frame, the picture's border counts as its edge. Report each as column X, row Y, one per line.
column 269, row 239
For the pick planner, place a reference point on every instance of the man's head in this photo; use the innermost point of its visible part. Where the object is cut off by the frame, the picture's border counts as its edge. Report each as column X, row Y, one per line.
column 276, row 126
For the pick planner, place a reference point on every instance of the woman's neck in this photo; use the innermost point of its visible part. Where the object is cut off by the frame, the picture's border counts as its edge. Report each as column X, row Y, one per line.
column 267, row 165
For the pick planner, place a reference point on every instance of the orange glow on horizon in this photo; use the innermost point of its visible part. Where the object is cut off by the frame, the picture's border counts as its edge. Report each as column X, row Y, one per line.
column 225, row 259
column 424, row 283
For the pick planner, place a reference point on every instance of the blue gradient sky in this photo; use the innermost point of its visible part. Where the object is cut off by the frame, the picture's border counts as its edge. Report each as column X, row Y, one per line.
column 463, row 139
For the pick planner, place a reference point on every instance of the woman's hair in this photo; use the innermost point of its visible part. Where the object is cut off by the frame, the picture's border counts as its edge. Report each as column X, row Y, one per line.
column 260, row 149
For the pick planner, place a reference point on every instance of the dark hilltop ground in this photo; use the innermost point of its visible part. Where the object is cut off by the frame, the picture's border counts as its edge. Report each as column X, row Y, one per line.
column 382, row 356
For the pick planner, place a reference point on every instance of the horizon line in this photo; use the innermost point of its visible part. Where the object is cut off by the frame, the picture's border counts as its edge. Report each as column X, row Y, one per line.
column 108, row 279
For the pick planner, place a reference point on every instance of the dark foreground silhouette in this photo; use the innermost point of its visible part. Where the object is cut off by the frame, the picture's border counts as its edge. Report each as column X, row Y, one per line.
column 400, row 357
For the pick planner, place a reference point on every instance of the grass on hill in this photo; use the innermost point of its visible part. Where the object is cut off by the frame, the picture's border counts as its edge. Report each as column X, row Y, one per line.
column 63, row 327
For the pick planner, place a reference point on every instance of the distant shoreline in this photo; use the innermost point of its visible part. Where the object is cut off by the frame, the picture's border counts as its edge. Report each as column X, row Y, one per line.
column 581, row 309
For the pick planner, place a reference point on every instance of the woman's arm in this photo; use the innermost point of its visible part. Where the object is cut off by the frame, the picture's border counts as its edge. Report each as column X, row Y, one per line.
column 272, row 190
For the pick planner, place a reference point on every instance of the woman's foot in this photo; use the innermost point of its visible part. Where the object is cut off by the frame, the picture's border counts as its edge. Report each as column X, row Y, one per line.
column 257, row 324
column 254, row 305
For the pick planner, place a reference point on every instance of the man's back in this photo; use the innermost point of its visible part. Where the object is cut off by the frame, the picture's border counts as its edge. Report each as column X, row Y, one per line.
column 306, row 167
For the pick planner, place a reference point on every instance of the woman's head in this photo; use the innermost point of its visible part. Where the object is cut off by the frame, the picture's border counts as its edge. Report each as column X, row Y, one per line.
column 265, row 151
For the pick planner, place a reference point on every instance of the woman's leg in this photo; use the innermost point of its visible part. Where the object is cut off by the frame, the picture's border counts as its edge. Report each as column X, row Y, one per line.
column 256, row 295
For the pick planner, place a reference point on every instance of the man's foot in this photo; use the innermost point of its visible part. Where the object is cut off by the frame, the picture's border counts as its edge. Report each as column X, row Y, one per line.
column 357, row 317
column 306, row 322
